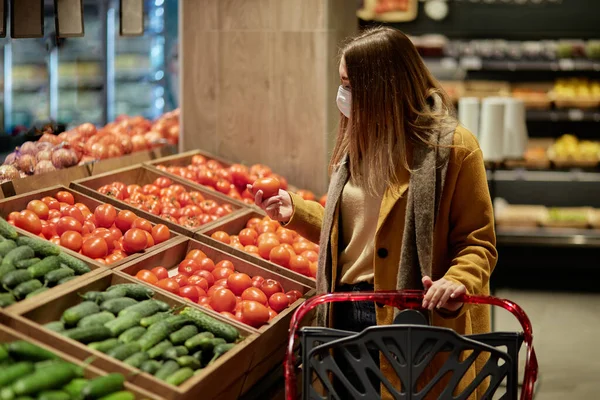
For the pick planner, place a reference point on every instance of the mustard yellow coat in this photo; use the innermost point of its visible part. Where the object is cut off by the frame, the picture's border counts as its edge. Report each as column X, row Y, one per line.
column 464, row 239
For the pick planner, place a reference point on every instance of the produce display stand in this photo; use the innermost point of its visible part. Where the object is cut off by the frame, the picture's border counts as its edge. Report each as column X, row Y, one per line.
column 19, row 202
column 233, row 226
column 8, row 335
column 35, row 182
column 222, row 380
column 138, row 157
column 269, row 346
column 143, row 175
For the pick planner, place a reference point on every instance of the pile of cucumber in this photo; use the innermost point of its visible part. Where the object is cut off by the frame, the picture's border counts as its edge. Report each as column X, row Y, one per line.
column 28, row 371
column 125, row 323
column 30, row 266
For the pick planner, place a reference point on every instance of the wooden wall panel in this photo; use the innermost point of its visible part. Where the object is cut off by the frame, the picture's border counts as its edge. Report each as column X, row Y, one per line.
column 300, row 15
column 245, row 14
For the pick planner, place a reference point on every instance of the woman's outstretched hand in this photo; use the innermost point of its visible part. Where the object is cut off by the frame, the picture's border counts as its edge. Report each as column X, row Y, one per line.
column 278, row 207
column 439, row 292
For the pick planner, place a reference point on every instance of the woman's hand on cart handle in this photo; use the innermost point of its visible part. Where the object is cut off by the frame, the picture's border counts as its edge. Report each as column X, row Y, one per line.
column 439, row 292
column 278, row 207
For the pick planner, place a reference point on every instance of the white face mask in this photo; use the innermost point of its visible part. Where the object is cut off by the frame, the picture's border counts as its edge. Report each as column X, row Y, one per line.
column 344, row 101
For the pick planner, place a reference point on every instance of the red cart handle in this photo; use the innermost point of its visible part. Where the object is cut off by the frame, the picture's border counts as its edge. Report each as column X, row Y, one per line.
column 409, row 299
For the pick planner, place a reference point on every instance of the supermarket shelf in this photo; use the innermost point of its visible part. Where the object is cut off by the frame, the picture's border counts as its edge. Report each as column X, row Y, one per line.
column 549, row 237
column 479, row 64
column 563, row 115
column 573, row 175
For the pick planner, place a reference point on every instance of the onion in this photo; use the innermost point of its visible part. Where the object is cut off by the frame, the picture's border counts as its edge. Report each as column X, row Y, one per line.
column 11, row 159
column 43, row 167
column 114, row 151
column 8, row 173
column 26, row 163
column 44, row 155
column 64, row 158
column 49, row 138
column 99, row 151
column 28, row 148
column 41, row 146
column 139, row 143
column 87, row 129
column 126, row 144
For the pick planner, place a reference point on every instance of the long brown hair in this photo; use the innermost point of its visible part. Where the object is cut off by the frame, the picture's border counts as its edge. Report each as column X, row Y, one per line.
column 393, row 94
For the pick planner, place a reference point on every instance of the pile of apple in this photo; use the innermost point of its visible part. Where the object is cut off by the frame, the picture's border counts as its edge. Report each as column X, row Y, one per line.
column 170, row 201
column 219, row 287
column 105, row 234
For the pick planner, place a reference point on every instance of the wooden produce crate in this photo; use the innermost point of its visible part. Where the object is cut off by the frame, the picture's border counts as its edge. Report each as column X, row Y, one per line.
column 37, row 182
column 111, row 164
column 8, row 335
column 269, row 347
column 143, row 175
column 18, row 203
column 233, row 226
column 229, row 370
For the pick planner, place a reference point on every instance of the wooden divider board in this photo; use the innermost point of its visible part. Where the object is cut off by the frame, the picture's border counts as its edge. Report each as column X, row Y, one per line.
column 143, row 175
column 229, row 370
column 37, row 182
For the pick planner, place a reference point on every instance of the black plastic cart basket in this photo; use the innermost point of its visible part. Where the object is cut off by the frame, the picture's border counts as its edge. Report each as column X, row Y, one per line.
column 408, row 345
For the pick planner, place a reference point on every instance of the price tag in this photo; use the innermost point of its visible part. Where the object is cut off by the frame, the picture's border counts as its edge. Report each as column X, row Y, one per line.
column 472, row 63
column 575, row 115
column 566, row 64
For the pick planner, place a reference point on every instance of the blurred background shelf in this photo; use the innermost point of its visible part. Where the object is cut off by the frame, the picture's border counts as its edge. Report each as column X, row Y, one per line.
column 548, row 237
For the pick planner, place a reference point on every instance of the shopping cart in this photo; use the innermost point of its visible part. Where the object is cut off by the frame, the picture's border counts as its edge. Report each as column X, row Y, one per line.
column 409, row 345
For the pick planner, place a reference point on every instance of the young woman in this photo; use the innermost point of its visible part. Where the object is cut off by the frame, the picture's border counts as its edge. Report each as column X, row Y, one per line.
column 408, row 205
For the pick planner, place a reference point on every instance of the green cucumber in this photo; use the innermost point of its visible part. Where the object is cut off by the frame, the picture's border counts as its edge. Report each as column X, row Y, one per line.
column 103, row 385
column 42, row 248
column 16, row 254
column 72, row 315
column 180, row 336
column 88, row 334
column 75, row 264
column 116, row 305
column 150, row 366
column 75, row 387
column 3, row 353
column 97, row 319
column 167, row 369
column 65, row 280
column 122, row 395
column 148, row 321
column 124, row 351
column 25, row 288
column 46, row 364
column 46, row 379
column 6, row 268
column 48, row 264
column 54, row 395
column 177, row 378
column 194, row 342
column 15, row 371
column 7, row 230
column 146, row 308
column 132, row 334
column 207, row 345
column 137, row 359
column 219, row 350
column 7, row 299
column 36, row 292
column 55, row 326
column 135, row 291
column 204, row 322
column 175, row 352
column 100, row 297
column 121, row 324
column 161, row 330
column 158, row 350
column 53, row 277
column 189, row 362
column 13, row 278
column 21, row 264
column 105, row 346
column 6, row 247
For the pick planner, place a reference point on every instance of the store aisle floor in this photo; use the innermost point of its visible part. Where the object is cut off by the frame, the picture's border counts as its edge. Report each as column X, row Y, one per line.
column 566, row 330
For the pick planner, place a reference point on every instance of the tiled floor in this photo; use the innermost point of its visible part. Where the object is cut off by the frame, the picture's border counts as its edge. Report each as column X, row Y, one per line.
column 566, row 338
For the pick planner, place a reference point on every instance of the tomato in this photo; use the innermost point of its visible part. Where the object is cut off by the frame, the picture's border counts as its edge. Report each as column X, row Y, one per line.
column 279, row 302
column 100, row 261
column 300, row 265
column 252, row 250
column 196, row 197
column 238, row 282
column 313, row 269
column 198, row 281
column 229, row 315
column 48, row 229
column 223, row 300
column 293, row 295
column 124, row 220
column 257, row 281
column 240, row 176
column 134, row 241
column 39, row 208
column 169, row 218
column 269, row 186
column 188, row 267
column 71, row 240
column 63, row 207
column 150, row 239
column 206, row 178
column 142, row 223
column 196, row 254
column 13, row 216
column 198, row 159
column 107, row 236
column 280, row 256
column 74, row 212
column 252, row 293
column 208, row 206
column 131, row 189
column 248, row 236
column 54, row 214
column 265, row 246
column 105, row 215
column 181, row 280
column 55, row 240
column 160, row 272
column 221, row 236
column 168, row 284
column 254, row 313
column 206, row 275
column 51, row 202
column 253, row 222
column 204, row 301
column 114, row 257
column 29, row 221
column 221, row 273
column 163, row 182
column 184, row 199
column 192, row 292
column 151, row 189
column 302, row 246
column 65, row 197
column 88, row 227
column 225, row 264
column 310, row 255
column 94, row 247
column 146, row 276
column 270, row 287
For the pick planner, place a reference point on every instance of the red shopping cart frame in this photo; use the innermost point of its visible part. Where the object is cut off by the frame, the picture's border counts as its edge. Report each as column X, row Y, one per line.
column 410, row 299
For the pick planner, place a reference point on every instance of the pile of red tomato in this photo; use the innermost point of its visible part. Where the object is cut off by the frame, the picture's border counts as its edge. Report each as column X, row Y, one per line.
column 170, row 201
column 230, row 180
column 104, row 234
column 267, row 239
column 218, row 286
